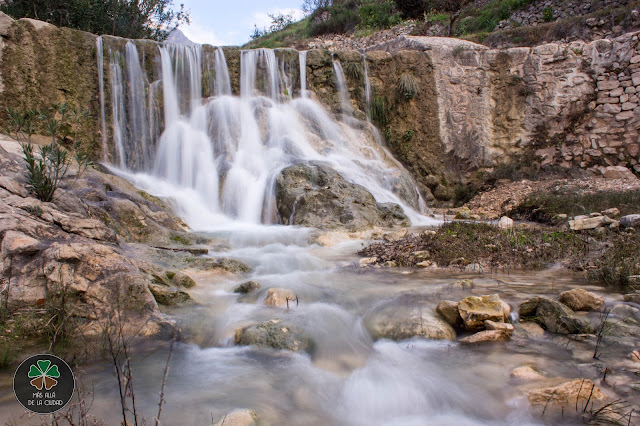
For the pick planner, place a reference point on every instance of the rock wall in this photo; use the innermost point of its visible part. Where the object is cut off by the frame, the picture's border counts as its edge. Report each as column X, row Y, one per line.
column 574, row 105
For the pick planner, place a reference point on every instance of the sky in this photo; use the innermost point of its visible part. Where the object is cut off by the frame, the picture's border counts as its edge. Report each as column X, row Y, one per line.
column 231, row 22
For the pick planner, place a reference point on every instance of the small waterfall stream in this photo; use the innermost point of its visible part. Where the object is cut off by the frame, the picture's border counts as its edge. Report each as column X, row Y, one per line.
column 226, row 151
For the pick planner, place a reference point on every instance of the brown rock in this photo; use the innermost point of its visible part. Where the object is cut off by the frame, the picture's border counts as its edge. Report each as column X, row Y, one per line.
column 486, row 336
column 18, row 243
column 532, row 329
column 475, row 310
column 279, row 296
column 581, row 300
column 526, row 373
column 492, row 325
column 448, row 310
column 239, row 418
column 567, row 393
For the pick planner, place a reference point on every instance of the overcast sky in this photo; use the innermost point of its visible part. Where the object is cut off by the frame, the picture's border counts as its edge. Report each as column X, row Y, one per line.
column 230, row 22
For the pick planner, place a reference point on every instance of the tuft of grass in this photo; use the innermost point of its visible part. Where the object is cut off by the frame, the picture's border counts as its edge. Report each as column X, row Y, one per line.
column 408, row 86
column 544, row 207
column 354, row 71
column 619, row 261
column 461, row 244
column 180, row 240
column 379, row 111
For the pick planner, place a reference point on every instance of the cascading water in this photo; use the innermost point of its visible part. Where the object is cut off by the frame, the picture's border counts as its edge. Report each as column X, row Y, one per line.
column 343, row 90
column 103, row 116
column 302, row 59
column 367, row 87
column 220, row 156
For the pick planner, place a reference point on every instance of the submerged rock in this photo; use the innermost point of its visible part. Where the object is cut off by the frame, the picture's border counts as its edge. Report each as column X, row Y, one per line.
column 405, row 317
column 280, row 297
column 567, row 393
column 526, row 373
column 241, row 417
column 247, row 287
column 554, row 316
column 274, row 334
column 315, row 195
column 475, row 310
column 581, row 300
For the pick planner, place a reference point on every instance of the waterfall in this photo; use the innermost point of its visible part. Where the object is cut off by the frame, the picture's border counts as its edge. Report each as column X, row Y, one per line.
column 367, row 86
column 343, row 90
column 302, row 57
column 137, row 108
column 117, row 105
column 219, row 157
column 103, row 115
column 222, row 82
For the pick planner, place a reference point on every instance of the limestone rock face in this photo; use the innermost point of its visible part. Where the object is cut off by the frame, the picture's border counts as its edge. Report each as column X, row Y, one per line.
column 566, row 393
column 274, row 334
column 405, row 317
column 315, row 195
column 581, row 300
column 554, row 316
column 475, row 310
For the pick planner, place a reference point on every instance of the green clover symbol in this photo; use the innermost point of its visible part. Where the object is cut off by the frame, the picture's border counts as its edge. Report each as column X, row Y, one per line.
column 44, row 375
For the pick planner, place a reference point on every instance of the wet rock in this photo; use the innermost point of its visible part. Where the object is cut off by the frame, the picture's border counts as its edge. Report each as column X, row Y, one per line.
column 405, row 317
column 242, row 417
column 581, row 300
column 280, row 297
column 448, row 310
column 247, row 287
column 567, row 393
column 629, row 221
column 632, row 297
column 531, row 329
column 635, row 356
column 492, row 325
column 274, row 334
column 168, row 296
column 366, row 261
column 474, row 268
column 505, row 223
column 462, row 284
column 395, row 235
column 623, row 321
column 315, row 195
column 174, row 279
column 486, row 336
column 424, row 264
column 526, row 373
column 475, row 310
column 554, row 316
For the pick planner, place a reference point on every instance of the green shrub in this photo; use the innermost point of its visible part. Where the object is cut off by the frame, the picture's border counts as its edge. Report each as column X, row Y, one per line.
column 408, row 86
column 486, row 19
column 45, row 171
column 547, row 14
column 378, row 15
column 411, row 9
column 343, row 17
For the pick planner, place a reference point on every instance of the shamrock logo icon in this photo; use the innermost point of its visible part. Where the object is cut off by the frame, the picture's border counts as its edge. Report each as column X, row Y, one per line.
column 43, row 374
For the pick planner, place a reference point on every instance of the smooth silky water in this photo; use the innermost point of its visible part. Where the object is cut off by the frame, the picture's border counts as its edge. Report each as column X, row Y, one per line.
column 216, row 160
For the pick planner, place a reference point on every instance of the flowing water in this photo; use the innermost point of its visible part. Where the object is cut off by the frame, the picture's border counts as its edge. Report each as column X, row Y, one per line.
column 216, row 159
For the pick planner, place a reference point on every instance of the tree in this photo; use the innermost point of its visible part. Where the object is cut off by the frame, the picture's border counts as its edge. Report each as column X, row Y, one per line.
column 309, row 6
column 151, row 19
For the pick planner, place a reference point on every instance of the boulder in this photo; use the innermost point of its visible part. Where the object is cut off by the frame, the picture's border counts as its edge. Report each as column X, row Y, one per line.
column 274, row 334
column 242, row 417
column 279, row 297
column 612, row 212
column 5, row 23
column 526, row 373
column 168, row 296
column 475, row 310
column 531, row 329
column 505, row 223
column 485, row 336
column 632, row 297
column 553, row 316
column 492, row 325
column 581, row 300
column 618, row 172
column 448, row 310
column 623, row 321
column 247, row 287
column 632, row 220
column 587, row 223
column 315, row 195
column 462, row 284
column 405, row 317
column 567, row 393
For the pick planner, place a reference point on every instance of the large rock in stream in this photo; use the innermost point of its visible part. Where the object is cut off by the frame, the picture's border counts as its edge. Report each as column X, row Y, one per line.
column 407, row 316
column 553, row 316
column 315, row 195
column 274, row 334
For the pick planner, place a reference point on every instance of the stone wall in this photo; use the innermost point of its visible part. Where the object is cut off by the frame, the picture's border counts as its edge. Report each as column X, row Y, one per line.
column 571, row 104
